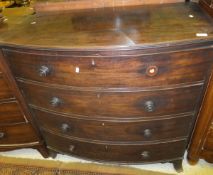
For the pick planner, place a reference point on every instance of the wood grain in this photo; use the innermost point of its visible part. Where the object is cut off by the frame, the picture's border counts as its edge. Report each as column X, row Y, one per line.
column 98, row 62
column 114, row 71
column 113, row 28
column 113, row 104
column 117, row 152
column 134, row 131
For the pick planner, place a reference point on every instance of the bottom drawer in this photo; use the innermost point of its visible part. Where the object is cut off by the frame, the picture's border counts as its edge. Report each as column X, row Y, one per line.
column 17, row 134
column 115, row 152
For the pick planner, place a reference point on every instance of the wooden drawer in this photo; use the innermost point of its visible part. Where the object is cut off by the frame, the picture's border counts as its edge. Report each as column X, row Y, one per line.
column 115, row 71
column 113, row 104
column 115, row 130
column 10, row 113
column 116, row 152
column 17, row 134
column 5, row 92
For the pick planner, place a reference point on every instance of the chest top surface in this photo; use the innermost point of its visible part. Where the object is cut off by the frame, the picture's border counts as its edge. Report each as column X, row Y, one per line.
column 124, row 27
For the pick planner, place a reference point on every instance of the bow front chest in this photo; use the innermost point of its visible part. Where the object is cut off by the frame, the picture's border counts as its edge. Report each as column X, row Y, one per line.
column 119, row 85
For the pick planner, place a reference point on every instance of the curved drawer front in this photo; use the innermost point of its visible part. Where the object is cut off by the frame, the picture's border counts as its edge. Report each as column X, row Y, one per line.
column 113, row 104
column 116, row 71
column 115, row 130
column 119, row 153
column 10, row 113
column 5, row 92
column 17, row 134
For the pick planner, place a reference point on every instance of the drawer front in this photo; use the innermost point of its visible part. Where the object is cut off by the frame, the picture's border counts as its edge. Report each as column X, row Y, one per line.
column 10, row 113
column 17, row 134
column 117, row 153
column 113, row 104
column 132, row 71
column 5, row 92
column 115, row 130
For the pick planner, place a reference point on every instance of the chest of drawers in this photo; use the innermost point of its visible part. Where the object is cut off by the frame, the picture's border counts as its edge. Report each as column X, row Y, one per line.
column 107, row 89
column 81, row 110
column 16, row 130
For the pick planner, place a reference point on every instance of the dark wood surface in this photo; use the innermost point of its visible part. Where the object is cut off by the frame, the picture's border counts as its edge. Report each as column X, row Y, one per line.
column 134, row 153
column 111, row 71
column 92, row 105
column 112, row 28
column 113, row 104
column 135, row 131
column 100, row 75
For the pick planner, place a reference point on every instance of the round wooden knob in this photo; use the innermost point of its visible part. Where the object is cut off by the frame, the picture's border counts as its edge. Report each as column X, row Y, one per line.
column 65, row 127
column 2, row 134
column 147, row 133
column 44, row 71
column 55, row 101
column 149, row 106
column 152, row 71
column 145, row 154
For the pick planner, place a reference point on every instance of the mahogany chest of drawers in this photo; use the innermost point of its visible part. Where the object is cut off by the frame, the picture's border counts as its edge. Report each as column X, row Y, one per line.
column 113, row 85
column 143, row 116
column 16, row 130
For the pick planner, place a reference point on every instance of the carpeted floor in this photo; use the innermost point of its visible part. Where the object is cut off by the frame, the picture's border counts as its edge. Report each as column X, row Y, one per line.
column 20, row 166
column 201, row 168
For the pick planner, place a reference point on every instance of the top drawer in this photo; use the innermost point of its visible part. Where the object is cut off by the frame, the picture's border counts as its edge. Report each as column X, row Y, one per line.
column 116, row 71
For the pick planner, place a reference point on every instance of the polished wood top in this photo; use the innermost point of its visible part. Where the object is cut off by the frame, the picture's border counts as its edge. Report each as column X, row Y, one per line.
column 124, row 27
